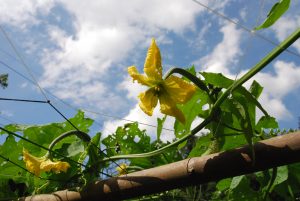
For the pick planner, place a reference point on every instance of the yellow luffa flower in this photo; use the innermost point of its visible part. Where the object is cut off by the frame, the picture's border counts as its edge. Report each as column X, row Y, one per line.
column 122, row 169
column 168, row 92
column 37, row 165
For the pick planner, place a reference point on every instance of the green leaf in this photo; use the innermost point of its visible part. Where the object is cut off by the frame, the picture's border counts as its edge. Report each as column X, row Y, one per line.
column 160, row 123
column 130, row 140
column 266, row 122
column 96, row 139
column 217, row 79
column 256, row 89
column 275, row 13
column 236, row 181
column 282, row 175
column 201, row 146
column 240, row 189
column 191, row 109
column 72, row 149
column 234, row 141
column 224, row 184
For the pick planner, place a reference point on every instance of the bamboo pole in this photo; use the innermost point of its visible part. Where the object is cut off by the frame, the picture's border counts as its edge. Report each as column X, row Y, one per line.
column 273, row 152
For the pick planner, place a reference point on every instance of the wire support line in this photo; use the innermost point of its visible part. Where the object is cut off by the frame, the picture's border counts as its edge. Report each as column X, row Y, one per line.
column 21, row 167
column 98, row 148
column 45, row 148
column 244, row 27
column 83, row 109
column 41, row 146
column 22, row 61
column 38, row 145
column 23, row 100
column 61, row 114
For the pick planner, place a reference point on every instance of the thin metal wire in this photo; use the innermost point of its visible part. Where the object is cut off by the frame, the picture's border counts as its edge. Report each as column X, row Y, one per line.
column 22, row 61
column 83, row 109
column 19, row 166
column 38, row 145
column 243, row 27
column 45, row 148
column 35, row 101
column 23, row 100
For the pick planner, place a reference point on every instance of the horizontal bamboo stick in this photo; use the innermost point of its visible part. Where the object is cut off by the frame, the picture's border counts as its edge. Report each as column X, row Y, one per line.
column 274, row 152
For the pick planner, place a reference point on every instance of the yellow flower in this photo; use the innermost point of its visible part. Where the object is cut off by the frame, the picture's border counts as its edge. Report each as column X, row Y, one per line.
column 168, row 92
column 37, row 165
column 122, row 169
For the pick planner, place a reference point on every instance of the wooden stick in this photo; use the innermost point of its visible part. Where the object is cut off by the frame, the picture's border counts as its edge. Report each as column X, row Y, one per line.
column 273, row 152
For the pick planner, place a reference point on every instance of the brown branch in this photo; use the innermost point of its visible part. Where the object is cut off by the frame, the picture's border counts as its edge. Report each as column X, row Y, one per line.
column 277, row 151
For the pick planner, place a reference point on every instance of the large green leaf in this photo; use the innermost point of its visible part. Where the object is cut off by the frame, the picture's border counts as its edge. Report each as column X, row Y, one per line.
column 275, row 13
column 191, row 109
column 266, row 122
column 129, row 140
column 282, row 175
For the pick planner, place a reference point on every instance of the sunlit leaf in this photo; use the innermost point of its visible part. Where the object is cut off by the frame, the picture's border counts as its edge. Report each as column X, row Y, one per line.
column 275, row 13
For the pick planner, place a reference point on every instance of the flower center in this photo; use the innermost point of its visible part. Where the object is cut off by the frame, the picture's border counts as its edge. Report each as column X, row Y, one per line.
column 158, row 89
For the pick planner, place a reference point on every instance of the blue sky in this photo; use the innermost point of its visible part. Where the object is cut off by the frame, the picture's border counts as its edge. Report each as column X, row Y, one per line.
column 79, row 51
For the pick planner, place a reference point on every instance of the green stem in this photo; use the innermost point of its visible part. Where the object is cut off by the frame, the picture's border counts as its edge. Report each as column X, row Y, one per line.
column 158, row 151
column 258, row 67
column 82, row 135
column 270, row 184
column 199, row 83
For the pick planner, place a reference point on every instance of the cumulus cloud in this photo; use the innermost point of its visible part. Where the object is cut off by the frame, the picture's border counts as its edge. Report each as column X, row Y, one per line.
column 23, row 13
column 285, row 26
column 225, row 54
column 285, row 80
column 107, row 33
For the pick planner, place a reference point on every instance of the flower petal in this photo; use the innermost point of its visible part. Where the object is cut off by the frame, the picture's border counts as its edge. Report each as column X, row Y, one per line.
column 32, row 163
column 152, row 67
column 168, row 107
column 178, row 89
column 142, row 79
column 148, row 101
column 37, row 165
column 56, row 167
column 122, row 169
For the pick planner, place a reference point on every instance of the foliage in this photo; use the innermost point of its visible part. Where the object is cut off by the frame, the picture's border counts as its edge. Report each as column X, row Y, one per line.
column 275, row 13
column 234, row 124
column 3, row 80
column 224, row 108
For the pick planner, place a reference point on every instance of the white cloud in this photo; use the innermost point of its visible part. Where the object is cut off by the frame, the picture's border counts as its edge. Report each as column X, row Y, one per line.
column 225, row 54
column 285, row 26
column 243, row 13
column 106, row 34
column 23, row 13
column 285, row 80
column 274, row 106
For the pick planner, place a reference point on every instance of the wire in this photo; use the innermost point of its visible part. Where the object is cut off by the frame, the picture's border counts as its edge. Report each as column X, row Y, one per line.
column 243, row 27
column 42, row 178
column 35, row 101
column 83, row 109
column 22, row 61
column 23, row 100
column 45, row 148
